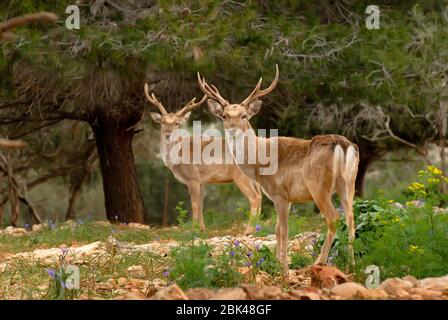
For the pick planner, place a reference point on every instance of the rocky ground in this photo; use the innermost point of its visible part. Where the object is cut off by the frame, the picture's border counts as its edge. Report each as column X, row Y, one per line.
column 313, row 283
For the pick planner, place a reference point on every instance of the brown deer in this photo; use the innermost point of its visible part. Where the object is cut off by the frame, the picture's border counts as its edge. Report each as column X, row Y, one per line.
column 196, row 176
column 306, row 169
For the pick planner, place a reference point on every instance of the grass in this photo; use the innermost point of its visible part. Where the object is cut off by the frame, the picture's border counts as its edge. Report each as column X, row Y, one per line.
column 26, row 279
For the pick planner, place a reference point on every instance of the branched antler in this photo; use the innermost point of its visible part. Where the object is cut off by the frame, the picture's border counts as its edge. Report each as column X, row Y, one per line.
column 189, row 106
column 7, row 26
column 257, row 93
column 152, row 99
column 211, row 92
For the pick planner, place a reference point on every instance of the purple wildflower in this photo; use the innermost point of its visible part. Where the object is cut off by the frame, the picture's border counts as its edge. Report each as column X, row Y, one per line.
column 257, row 228
column 232, row 253
column 249, row 254
column 248, row 264
column 236, row 243
column 166, row 273
column 51, row 273
column 260, row 261
column 258, row 246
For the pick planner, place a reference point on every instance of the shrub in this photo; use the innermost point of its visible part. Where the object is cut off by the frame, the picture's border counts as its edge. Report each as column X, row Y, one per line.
column 400, row 239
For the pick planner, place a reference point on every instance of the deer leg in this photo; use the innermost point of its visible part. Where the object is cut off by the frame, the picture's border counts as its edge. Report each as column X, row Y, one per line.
column 346, row 192
column 196, row 203
column 322, row 198
column 251, row 190
column 201, row 204
column 281, row 230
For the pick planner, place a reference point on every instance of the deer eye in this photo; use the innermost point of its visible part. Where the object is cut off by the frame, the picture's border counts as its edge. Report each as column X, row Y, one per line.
column 244, row 116
column 224, row 117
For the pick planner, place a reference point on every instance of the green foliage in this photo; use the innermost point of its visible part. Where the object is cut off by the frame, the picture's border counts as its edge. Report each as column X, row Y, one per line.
column 224, row 272
column 300, row 260
column 190, row 265
column 182, row 215
column 401, row 239
column 57, row 288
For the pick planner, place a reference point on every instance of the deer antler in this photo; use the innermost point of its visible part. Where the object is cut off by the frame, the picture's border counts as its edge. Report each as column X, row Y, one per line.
column 6, row 26
column 257, row 93
column 191, row 105
column 212, row 92
column 152, row 99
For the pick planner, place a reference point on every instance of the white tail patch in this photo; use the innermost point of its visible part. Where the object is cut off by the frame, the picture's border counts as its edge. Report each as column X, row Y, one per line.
column 346, row 165
column 351, row 163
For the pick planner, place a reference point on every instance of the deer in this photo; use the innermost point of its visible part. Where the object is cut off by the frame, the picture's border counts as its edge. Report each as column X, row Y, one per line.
column 196, row 176
column 307, row 170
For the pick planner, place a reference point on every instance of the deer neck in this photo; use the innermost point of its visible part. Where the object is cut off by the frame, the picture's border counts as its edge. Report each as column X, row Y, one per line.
column 165, row 148
column 243, row 149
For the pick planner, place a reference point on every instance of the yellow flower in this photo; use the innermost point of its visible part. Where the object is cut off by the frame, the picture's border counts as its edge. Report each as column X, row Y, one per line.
column 435, row 170
column 396, row 219
column 415, row 249
column 421, row 173
column 409, row 204
column 433, row 180
column 416, row 186
column 390, row 201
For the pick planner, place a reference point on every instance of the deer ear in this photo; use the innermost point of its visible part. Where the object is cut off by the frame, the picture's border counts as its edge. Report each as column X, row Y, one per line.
column 253, row 108
column 215, row 108
column 186, row 117
column 156, row 117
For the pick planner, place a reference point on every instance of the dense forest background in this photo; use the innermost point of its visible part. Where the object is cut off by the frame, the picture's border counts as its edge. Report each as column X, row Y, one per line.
column 76, row 96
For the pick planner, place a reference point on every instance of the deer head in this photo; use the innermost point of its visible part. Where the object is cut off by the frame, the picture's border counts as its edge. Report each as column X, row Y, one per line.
column 170, row 121
column 236, row 116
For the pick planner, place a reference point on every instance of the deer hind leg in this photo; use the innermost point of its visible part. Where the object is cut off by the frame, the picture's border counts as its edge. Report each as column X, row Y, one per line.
column 322, row 198
column 253, row 193
column 346, row 192
column 195, row 190
column 282, row 207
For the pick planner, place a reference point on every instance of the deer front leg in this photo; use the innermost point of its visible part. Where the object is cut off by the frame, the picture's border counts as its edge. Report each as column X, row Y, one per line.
column 196, row 204
column 253, row 193
column 282, row 207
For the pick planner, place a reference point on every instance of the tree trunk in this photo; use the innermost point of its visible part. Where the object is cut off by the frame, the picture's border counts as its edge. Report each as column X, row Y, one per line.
column 364, row 163
column 73, row 195
column 123, row 199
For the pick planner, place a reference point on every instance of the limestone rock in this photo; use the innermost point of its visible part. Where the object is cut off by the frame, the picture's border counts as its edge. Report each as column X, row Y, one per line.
column 199, row 294
column 347, row 290
column 264, row 293
column 372, row 294
column 229, row 294
column 440, row 283
column 396, row 287
column 173, row 292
